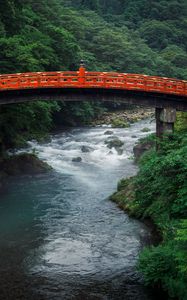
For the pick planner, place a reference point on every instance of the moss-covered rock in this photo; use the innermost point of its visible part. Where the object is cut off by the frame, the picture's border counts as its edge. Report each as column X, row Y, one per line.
column 146, row 129
column 141, row 148
column 125, row 195
column 114, row 142
column 119, row 123
column 22, row 164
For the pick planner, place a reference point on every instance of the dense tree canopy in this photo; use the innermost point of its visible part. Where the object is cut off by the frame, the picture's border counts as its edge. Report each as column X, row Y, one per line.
column 138, row 36
column 50, row 35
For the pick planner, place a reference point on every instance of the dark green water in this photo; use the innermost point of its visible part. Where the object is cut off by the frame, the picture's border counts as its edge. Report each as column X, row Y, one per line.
column 60, row 237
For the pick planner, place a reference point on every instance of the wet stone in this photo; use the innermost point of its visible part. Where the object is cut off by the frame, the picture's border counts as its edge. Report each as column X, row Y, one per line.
column 76, row 159
column 114, row 143
column 108, row 132
column 86, row 149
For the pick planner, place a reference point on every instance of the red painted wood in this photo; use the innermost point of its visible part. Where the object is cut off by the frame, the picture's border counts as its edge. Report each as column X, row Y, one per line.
column 83, row 79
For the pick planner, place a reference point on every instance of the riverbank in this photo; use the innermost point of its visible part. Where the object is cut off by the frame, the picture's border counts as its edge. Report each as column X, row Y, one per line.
column 158, row 193
column 123, row 118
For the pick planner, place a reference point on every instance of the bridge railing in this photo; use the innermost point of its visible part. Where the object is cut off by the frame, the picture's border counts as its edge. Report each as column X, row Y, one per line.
column 106, row 80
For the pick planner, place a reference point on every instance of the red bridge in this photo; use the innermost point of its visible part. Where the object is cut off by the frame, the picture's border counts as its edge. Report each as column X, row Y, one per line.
column 84, row 79
column 159, row 92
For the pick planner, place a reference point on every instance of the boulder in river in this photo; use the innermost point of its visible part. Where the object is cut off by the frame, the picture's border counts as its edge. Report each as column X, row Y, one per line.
column 86, row 149
column 145, row 129
column 141, row 148
column 114, row 143
column 120, row 123
column 22, row 164
column 77, row 159
column 119, row 151
column 108, row 132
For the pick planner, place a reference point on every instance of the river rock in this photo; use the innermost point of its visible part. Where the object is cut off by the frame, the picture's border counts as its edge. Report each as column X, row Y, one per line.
column 145, row 129
column 119, row 151
column 120, row 123
column 134, row 136
column 86, row 149
column 114, row 143
column 22, row 164
column 141, row 148
column 77, row 159
column 108, row 132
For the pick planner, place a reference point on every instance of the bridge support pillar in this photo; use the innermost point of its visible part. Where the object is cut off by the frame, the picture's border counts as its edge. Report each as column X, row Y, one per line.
column 165, row 119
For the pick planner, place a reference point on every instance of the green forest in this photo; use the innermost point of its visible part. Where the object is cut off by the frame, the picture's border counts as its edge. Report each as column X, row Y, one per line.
column 135, row 36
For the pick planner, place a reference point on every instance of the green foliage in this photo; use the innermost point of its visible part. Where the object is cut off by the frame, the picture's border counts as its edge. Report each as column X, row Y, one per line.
column 161, row 194
column 125, row 196
column 137, row 36
column 181, row 123
column 77, row 113
column 181, row 239
column 166, row 173
column 33, row 118
column 120, row 123
column 165, row 266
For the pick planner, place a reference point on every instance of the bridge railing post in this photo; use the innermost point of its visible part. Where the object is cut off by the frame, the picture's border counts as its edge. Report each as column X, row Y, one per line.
column 81, row 74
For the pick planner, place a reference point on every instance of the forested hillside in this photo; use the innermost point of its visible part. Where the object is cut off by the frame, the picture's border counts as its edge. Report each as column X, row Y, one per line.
column 129, row 36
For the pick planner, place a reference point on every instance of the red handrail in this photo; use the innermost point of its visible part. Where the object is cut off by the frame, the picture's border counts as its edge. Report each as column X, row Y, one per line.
column 84, row 79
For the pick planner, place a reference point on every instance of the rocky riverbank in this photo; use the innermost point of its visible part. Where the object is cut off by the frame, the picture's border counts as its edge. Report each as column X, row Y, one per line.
column 124, row 118
column 125, row 195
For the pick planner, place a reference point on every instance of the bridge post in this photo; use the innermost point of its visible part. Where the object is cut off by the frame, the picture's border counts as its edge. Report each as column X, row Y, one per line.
column 82, row 71
column 165, row 119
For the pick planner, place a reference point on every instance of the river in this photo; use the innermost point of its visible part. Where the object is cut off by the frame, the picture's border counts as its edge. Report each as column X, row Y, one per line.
column 60, row 236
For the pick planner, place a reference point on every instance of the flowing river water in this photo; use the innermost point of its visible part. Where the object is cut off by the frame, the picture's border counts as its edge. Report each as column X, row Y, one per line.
column 60, row 236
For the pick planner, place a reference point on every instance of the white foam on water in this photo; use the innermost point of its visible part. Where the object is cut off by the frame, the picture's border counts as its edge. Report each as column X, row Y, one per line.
column 64, row 147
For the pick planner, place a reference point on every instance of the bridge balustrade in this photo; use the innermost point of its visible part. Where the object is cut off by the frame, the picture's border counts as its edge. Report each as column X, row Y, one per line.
column 85, row 79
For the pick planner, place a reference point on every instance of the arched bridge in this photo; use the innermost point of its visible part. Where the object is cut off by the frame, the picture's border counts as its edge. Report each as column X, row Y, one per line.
column 159, row 92
column 70, row 86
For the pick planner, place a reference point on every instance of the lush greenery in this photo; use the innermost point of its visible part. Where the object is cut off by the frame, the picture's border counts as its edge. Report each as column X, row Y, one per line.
column 138, row 36
column 129, row 36
column 159, row 192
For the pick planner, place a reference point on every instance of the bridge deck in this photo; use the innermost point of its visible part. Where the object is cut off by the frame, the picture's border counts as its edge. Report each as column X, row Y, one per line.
column 83, row 79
